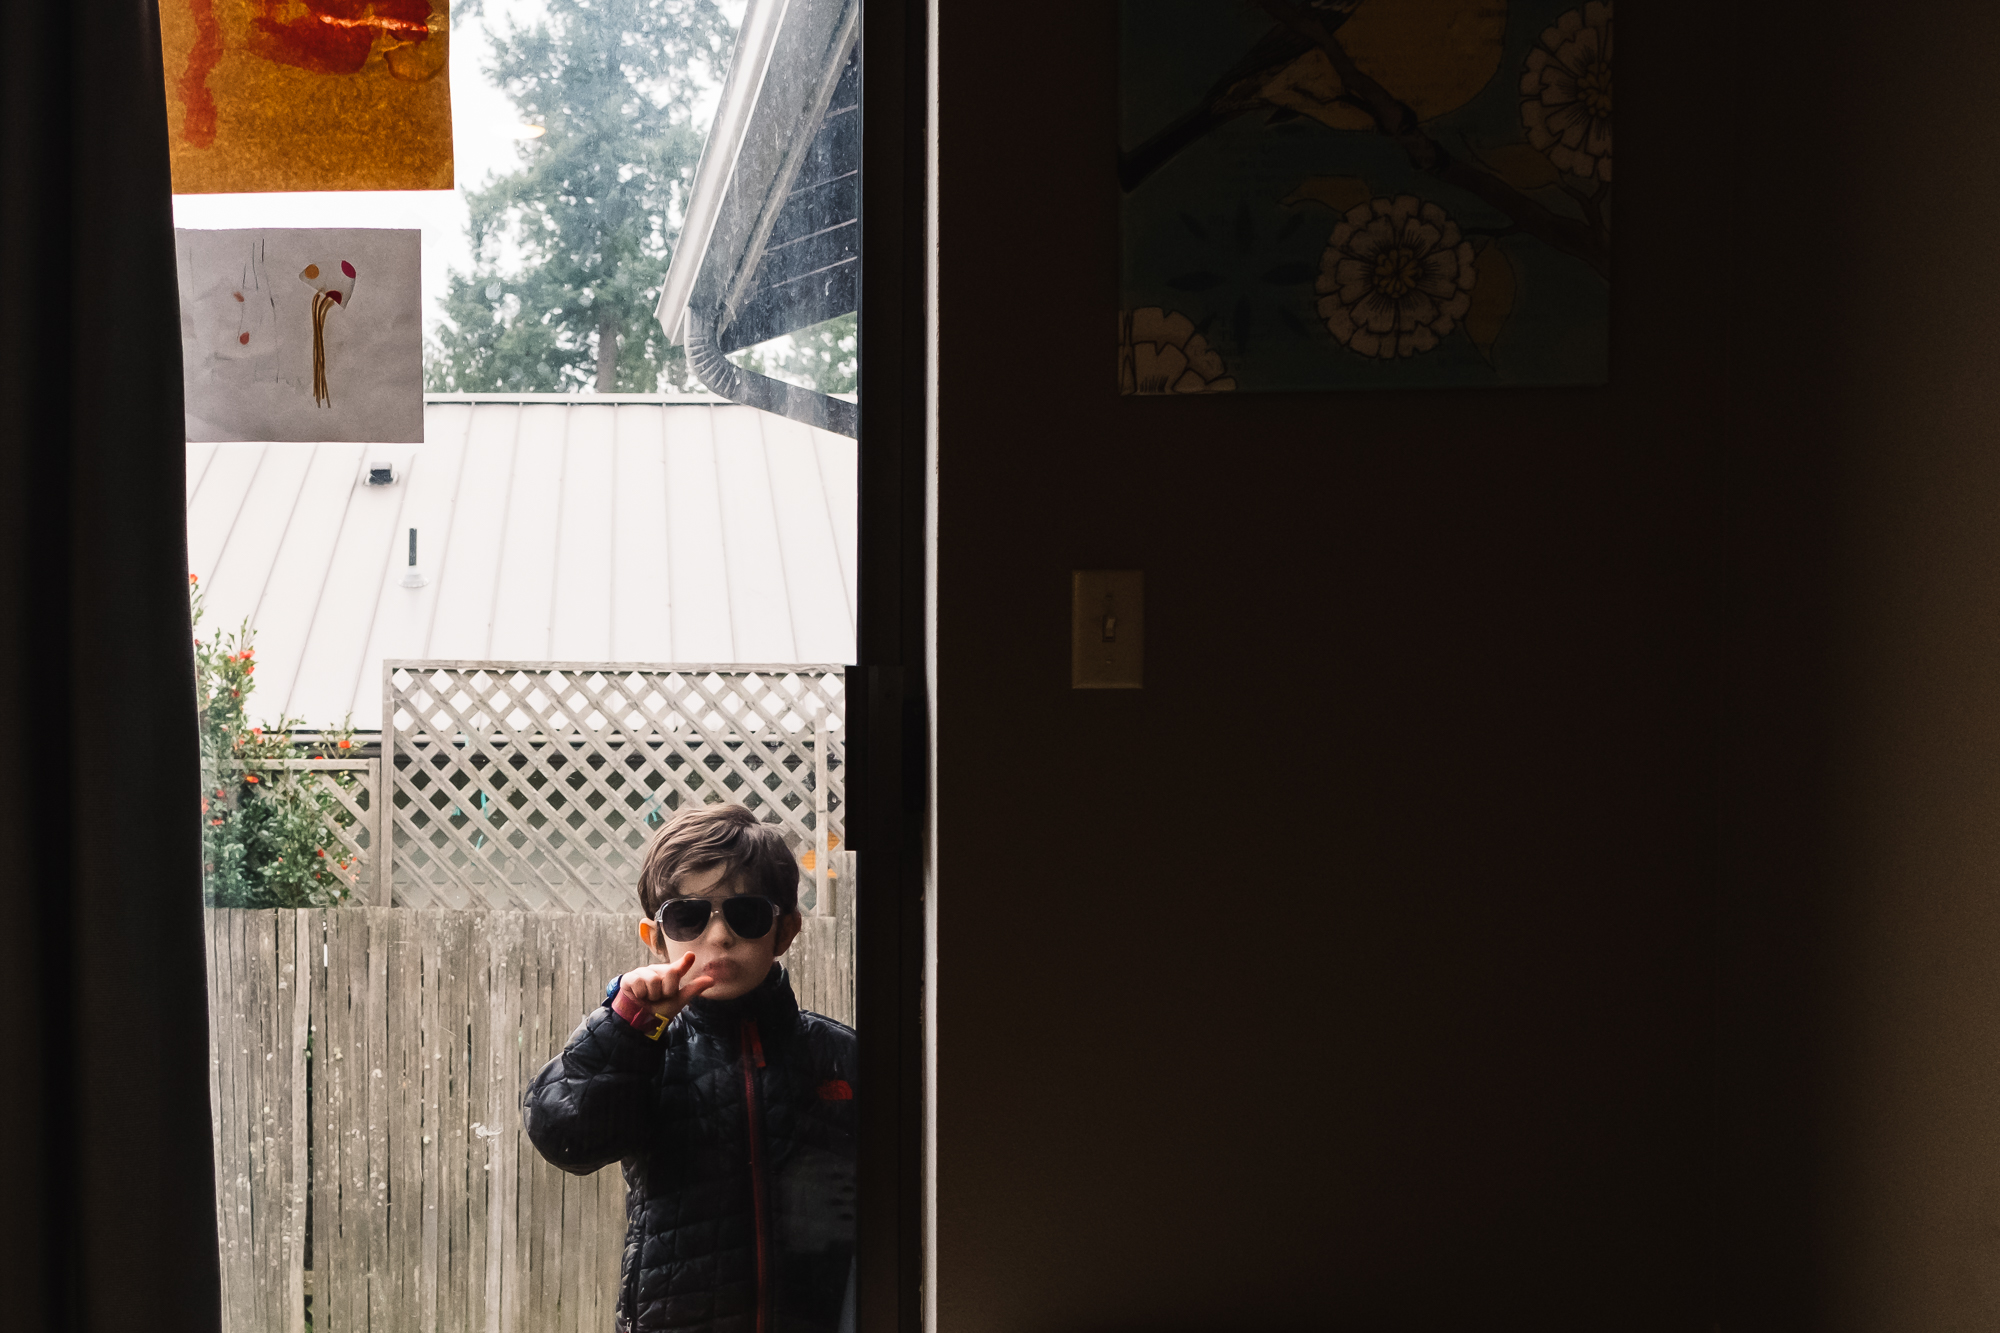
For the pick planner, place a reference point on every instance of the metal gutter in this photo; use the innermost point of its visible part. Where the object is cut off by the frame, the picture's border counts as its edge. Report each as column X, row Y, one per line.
column 755, row 40
column 738, row 385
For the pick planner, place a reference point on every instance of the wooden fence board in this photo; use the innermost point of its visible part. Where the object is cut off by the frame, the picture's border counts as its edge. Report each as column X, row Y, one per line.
column 244, row 1095
column 546, row 1201
column 299, row 926
column 448, row 935
column 403, row 1093
column 333, row 1261
column 492, row 1129
column 225, row 1040
column 333, row 1265
column 516, row 992
column 274, row 1148
column 352, row 1122
column 374, row 1043
column 217, row 1034
column 324, row 1165
column 474, row 994
column 431, row 1074
column 259, row 969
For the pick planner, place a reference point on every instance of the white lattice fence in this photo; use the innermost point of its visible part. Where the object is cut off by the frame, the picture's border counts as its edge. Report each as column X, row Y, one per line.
column 536, row 785
column 357, row 797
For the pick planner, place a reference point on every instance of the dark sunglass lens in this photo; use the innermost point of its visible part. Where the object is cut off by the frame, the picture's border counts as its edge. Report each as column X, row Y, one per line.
column 749, row 917
column 684, row 918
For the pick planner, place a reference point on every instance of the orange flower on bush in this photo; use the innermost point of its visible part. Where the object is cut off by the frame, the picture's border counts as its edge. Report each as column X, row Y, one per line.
column 250, row 777
column 347, row 745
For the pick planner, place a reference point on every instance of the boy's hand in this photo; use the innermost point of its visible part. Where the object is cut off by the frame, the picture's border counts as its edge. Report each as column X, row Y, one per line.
column 660, row 987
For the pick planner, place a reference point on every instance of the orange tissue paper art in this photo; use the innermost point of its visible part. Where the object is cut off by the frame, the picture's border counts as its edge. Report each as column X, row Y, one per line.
column 307, row 94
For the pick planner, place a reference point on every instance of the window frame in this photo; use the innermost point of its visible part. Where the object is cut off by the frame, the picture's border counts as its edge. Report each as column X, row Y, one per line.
column 888, row 706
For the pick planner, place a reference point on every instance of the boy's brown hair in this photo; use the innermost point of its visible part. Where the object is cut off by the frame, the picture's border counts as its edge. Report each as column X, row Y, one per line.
column 719, row 835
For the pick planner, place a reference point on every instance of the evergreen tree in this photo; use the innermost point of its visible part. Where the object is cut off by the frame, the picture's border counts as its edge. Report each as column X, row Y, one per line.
column 571, row 249
column 819, row 357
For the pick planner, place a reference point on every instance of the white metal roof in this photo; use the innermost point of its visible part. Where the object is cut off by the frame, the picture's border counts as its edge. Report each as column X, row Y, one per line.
column 549, row 529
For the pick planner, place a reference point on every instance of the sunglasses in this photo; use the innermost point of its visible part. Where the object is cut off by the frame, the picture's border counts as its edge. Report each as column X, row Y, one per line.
column 684, row 919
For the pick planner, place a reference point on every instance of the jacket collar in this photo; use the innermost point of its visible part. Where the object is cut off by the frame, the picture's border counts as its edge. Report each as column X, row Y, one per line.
column 772, row 1007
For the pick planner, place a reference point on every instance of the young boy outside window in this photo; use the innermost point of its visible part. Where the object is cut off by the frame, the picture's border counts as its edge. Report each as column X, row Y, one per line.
column 731, row 1108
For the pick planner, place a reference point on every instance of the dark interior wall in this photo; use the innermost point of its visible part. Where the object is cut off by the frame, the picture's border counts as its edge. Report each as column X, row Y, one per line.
column 1360, row 969
column 1862, row 922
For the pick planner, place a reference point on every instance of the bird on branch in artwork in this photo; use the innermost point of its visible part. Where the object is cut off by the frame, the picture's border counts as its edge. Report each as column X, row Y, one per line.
column 1240, row 89
column 1384, row 68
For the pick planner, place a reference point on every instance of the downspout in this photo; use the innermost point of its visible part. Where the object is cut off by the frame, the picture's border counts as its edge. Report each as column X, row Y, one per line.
column 738, row 385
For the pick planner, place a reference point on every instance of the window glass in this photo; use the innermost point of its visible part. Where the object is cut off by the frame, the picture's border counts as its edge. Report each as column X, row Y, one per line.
column 502, row 722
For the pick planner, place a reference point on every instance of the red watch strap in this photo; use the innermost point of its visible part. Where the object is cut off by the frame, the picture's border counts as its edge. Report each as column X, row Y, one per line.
column 640, row 1016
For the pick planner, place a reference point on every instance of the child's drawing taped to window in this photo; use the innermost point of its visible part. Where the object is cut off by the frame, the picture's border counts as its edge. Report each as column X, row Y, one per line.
column 282, row 340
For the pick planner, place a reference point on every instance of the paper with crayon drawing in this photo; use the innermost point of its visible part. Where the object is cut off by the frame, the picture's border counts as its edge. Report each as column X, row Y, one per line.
column 302, row 334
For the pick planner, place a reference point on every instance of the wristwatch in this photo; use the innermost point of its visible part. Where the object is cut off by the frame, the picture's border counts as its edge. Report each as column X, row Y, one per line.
column 643, row 1020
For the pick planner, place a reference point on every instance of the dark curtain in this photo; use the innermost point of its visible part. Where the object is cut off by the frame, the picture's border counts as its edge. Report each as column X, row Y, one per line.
column 107, row 1212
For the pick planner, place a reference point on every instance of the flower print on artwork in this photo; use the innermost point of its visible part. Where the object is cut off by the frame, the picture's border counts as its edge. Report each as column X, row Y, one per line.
column 1160, row 352
column 1395, row 278
column 1566, row 92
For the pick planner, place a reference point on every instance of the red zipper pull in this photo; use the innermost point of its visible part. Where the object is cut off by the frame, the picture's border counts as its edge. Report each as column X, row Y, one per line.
column 753, row 1042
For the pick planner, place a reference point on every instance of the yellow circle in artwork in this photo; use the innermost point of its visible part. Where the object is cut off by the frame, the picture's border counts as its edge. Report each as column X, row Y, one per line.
column 312, row 271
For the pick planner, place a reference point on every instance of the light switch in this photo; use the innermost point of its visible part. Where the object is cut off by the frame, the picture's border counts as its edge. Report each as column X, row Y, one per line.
column 1107, row 629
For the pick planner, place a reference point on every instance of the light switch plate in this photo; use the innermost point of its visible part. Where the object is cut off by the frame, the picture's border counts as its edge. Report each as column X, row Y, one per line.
column 1107, row 629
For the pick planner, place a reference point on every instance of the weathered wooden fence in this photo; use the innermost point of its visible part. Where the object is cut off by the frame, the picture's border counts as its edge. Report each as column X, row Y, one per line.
column 366, row 1078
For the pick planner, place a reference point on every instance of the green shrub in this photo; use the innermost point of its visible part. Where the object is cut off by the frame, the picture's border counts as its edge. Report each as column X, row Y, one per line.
column 269, row 833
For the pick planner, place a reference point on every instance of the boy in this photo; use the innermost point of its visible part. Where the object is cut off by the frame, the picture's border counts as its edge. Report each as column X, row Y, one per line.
column 731, row 1109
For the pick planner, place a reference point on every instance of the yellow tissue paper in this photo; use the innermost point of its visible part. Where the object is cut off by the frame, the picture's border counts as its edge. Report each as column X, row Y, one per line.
column 308, row 94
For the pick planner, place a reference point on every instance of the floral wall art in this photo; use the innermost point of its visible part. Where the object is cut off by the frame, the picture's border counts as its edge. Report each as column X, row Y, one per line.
column 301, row 333
column 1348, row 194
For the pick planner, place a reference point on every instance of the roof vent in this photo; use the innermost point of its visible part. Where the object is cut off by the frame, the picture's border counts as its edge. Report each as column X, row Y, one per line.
column 412, row 577
column 381, row 474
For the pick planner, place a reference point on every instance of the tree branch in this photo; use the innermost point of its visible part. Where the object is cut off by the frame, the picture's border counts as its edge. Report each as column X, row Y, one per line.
column 1398, row 122
column 1588, row 203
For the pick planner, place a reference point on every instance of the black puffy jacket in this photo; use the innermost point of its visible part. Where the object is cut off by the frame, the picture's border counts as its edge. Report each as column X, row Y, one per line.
column 737, row 1132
